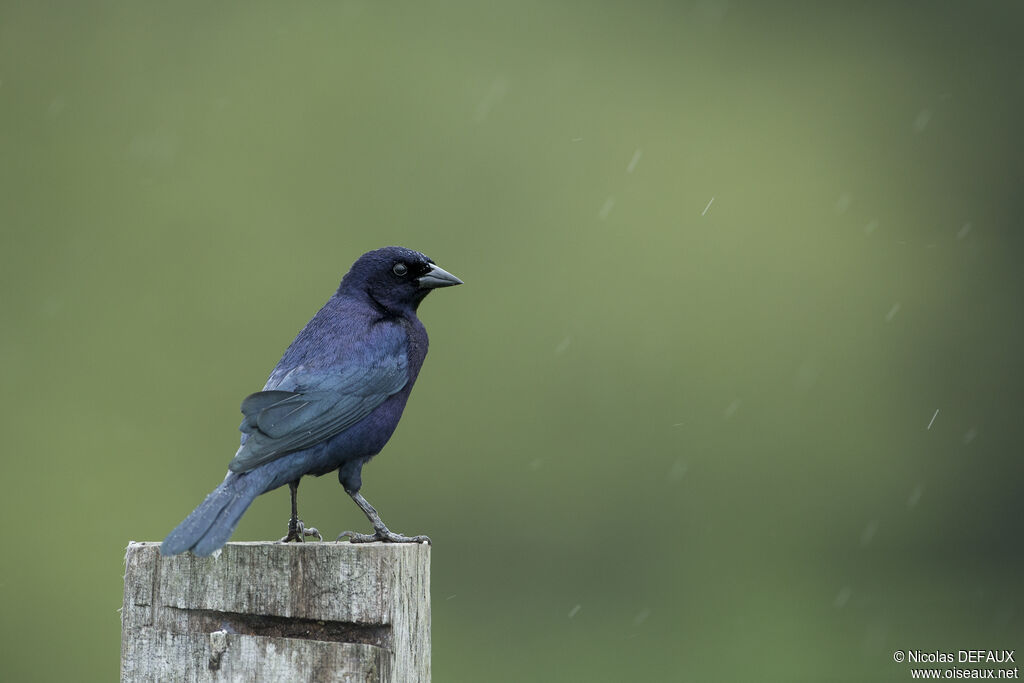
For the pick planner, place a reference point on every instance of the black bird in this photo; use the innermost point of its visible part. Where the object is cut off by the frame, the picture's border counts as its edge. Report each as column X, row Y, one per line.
column 331, row 403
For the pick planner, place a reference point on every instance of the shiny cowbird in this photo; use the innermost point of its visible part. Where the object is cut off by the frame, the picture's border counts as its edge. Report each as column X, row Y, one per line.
column 331, row 403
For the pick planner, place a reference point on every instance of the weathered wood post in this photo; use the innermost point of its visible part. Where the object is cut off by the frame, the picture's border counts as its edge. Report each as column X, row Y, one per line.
column 278, row 612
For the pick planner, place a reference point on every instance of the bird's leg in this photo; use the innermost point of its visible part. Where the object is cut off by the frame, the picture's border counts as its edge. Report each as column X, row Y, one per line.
column 382, row 533
column 297, row 531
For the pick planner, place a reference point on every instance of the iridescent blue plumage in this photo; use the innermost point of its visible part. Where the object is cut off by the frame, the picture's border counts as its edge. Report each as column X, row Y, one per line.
column 333, row 400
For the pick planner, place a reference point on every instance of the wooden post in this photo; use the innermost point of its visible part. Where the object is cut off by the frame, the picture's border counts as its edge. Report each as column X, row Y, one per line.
column 278, row 612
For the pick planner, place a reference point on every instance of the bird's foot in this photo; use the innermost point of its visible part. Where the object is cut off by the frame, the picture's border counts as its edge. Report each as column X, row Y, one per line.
column 298, row 532
column 384, row 535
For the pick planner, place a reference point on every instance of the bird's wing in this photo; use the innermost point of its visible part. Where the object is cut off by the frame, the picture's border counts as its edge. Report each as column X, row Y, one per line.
column 323, row 404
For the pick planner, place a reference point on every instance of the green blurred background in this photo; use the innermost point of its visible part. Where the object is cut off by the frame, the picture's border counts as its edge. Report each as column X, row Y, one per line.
column 724, row 263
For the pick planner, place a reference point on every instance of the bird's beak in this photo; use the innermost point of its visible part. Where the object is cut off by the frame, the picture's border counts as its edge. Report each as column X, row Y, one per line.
column 437, row 277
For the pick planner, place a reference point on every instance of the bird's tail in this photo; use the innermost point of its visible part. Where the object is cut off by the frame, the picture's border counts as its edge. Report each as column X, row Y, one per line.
column 211, row 524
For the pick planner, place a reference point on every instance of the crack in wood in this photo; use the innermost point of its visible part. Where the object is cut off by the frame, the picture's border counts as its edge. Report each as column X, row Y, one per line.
column 210, row 621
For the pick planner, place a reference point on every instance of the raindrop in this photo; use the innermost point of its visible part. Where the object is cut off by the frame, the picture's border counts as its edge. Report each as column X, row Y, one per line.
column 707, row 207
column 842, row 597
column 678, row 470
column 933, row 419
column 606, row 208
column 962, row 232
column 970, row 435
column 892, row 312
column 563, row 345
column 921, row 122
column 635, row 160
column 733, row 407
column 574, row 611
column 642, row 616
column 915, row 496
column 869, row 532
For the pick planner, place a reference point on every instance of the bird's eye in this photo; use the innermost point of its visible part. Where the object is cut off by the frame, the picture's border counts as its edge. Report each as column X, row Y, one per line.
column 400, row 269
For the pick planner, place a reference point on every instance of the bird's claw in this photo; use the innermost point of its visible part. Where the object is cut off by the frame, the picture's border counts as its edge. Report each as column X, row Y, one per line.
column 299, row 533
column 382, row 535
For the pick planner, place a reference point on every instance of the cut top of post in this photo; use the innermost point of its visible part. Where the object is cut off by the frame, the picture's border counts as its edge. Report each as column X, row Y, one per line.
column 373, row 595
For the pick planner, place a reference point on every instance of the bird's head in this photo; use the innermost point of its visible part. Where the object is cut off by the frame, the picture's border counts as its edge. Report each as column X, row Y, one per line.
column 395, row 278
